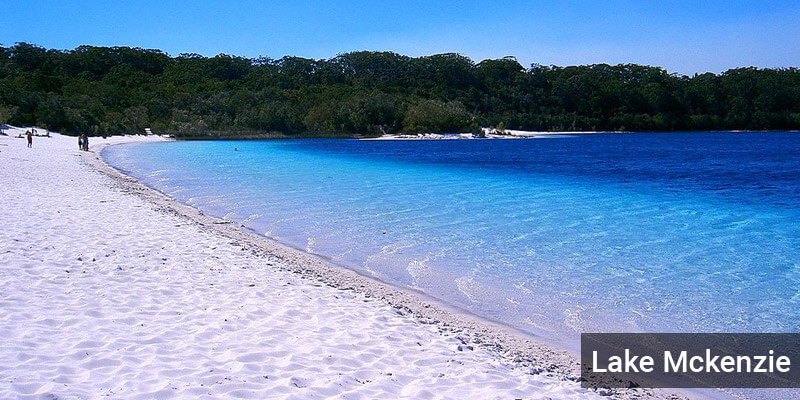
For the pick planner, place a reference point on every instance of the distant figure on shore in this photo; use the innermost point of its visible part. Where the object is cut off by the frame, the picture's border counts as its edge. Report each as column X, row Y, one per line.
column 83, row 142
column 30, row 138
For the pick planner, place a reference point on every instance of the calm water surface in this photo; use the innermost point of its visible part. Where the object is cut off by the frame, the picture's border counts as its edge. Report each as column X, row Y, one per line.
column 673, row 232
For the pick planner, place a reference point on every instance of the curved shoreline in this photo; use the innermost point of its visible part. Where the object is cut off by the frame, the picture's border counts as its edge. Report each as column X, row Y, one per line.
column 334, row 267
column 509, row 343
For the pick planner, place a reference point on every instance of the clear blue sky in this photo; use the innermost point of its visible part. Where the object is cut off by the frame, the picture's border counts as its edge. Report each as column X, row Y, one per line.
column 685, row 36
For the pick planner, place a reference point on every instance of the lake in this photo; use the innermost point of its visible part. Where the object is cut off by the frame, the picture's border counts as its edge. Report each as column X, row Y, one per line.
column 644, row 232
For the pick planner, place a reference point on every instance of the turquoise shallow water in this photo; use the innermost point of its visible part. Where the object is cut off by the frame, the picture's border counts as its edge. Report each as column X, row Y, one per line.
column 679, row 232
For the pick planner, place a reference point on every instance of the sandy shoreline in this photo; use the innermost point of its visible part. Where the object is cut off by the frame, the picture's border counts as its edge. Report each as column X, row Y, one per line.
column 518, row 345
column 488, row 134
column 432, row 351
column 515, row 134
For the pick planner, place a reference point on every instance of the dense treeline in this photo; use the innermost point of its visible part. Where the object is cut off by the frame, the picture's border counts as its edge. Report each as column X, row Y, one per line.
column 102, row 90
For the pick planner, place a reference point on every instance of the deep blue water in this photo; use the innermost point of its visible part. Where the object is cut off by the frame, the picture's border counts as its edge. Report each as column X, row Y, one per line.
column 659, row 232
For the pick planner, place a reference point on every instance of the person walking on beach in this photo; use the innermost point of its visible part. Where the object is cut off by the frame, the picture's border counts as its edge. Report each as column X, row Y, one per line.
column 30, row 138
column 80, row 142
column 85, row 142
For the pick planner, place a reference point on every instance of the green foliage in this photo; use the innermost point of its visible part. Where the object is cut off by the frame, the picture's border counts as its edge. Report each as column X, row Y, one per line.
column 5, row 113
column 426, row 116
column 113, row 90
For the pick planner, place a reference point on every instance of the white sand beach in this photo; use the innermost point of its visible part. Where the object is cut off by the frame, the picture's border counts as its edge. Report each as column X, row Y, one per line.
column 489, row 133
column 105, row 293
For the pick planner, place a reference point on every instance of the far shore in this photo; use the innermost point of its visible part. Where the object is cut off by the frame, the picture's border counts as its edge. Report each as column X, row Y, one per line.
column 488, row 133
column 517, row 134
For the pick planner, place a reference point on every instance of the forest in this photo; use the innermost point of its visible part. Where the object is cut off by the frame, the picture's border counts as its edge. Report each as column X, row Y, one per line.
column 123, row 90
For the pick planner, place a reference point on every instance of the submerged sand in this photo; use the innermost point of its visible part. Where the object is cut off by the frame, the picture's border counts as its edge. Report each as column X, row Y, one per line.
column 109, row 288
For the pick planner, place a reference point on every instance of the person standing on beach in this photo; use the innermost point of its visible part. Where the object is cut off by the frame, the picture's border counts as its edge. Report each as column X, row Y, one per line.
column 30, row 138
column 85, row 142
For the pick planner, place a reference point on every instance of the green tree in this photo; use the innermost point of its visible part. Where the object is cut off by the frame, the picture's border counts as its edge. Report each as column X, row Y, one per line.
column 6, row 112
column 124, row 90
